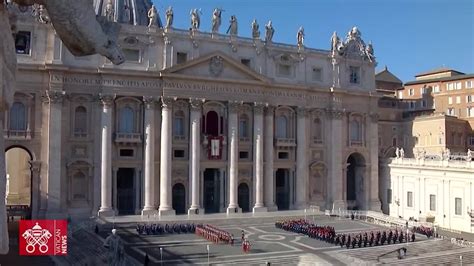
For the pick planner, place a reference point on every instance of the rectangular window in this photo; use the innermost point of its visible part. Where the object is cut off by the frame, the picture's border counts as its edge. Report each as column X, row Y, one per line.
column 469, row 98
column 354, row 75
column 243, row 155
column 23, row 42
column 436, row 89
column 457, row 206
column 411, row 92
column 458, row 85
column 412, row 105
column 470, row 111
column 284, row 70
column 400, row 94
column 432, row 202
column 245, row 62
column 469, row 84
column 458, row 99
column 131, row 55
column 317, row 74
column 451, row 111
column 409, row 199
column 178, row 153
column 450, row 100
column 471, row 141
column 126, row 153
column 283, row 155
column 450, row 86
column 423, row 103
column 389, row 196
column 181, row 57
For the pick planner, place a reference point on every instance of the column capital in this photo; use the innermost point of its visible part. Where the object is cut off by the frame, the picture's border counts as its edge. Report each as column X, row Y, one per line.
column 54, row 96
column 196, row 103
column 258, row 107
column 234, row 105
column 167, row 102
column 335, row 113
column 35, row 167
column 107, row 99
column 302, row 111
column 374, row 117
column 149, row 101
column 269, row 109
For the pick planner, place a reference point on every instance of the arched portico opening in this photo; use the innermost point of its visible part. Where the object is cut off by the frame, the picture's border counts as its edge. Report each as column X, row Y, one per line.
column 179, row 198
column 355, row 192
column 244, row 197
column 19, row 192
column 282, row 186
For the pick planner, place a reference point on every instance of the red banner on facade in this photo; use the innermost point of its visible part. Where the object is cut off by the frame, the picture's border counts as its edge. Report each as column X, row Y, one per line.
column 43, row 237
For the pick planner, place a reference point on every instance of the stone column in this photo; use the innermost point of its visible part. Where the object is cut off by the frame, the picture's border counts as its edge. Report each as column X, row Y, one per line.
column 4, row 238
column 301, row 159
column 373, row 143
column 55, row 100
column 258, row 156
column 269, row 171
column 106, row 156
column 35, row 167
column 165, row 157
column 195, row 155
column 149, row 163
column 233, row 146
column 336, row 165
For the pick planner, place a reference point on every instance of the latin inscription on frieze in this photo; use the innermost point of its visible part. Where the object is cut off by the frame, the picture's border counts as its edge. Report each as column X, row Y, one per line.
column 87, row 81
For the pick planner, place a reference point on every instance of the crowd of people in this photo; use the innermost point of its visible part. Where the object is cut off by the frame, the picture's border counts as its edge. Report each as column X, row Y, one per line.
column 379, row 238
column 160, row 229
column 302, row 226
column 427, row 231
column 214, row 234
column 363, row 239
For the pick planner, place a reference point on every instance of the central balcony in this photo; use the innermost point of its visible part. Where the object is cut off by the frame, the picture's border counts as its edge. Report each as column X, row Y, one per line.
column 128, row 137
column 285, row 142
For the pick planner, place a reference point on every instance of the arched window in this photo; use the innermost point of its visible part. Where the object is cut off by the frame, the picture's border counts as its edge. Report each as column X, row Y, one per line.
column 178, row 128
column 127, row 120
column 80, row 120
column 18, row 116
column 79, row 186
column 212, row 123
column 356, row 134
column 244, row 126
column 282, row 127
column 317, row 130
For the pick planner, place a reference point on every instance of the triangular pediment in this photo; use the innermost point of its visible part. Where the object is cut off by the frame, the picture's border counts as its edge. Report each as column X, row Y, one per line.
column 215, row 66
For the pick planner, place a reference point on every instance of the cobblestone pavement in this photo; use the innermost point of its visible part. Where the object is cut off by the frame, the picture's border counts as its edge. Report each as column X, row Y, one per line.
column 269, row 244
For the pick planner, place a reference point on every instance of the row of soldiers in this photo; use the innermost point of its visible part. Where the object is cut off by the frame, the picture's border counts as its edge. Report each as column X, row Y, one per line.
column 214, row 234
column 302, row 226
column 159, row 229
column 427, row 231
column 373, row 239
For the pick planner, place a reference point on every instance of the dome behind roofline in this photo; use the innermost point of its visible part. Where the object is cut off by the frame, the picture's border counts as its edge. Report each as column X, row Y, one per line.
column 134, row 12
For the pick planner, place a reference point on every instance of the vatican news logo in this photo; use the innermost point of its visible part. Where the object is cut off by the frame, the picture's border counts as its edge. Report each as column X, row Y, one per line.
column 43, row 237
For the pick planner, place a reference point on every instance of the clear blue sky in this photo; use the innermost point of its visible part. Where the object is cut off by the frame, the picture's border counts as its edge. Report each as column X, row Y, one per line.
column 409, row 36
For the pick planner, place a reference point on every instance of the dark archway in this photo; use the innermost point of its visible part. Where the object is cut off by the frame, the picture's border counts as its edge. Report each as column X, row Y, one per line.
column 19, row 196
column 212, row 123
column 282, row 185
column 211, row 190
column 179, row 198
column 355, row 181
column 244, row 197
column 125, row 191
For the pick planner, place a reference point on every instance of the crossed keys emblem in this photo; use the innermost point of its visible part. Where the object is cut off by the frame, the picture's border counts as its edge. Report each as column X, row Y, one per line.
column 36, row 236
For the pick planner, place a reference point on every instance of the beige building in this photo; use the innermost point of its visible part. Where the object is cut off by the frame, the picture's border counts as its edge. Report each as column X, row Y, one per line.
column 192, row 122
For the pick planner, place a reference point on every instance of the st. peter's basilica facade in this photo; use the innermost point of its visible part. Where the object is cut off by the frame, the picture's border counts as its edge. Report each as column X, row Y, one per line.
column 193, row 122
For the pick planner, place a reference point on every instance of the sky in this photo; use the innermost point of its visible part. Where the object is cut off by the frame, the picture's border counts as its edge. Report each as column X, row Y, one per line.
column 409, row 36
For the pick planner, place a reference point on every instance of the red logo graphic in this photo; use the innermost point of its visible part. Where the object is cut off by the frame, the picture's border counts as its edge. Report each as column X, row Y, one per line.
column 43, row 237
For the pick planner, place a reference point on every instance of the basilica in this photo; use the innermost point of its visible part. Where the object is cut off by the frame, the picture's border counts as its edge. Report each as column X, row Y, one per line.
column 195, row 121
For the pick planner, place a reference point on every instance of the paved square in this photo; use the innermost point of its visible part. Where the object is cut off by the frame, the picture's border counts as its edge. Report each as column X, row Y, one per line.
column 269, row 244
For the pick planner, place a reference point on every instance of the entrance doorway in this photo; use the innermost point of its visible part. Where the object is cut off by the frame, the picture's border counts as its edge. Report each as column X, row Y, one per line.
column 355, row 181
column 283, row 189
column 244, row 197
column 125, row 191
column 211, row 190
column 18, row 186
column 179, row 198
